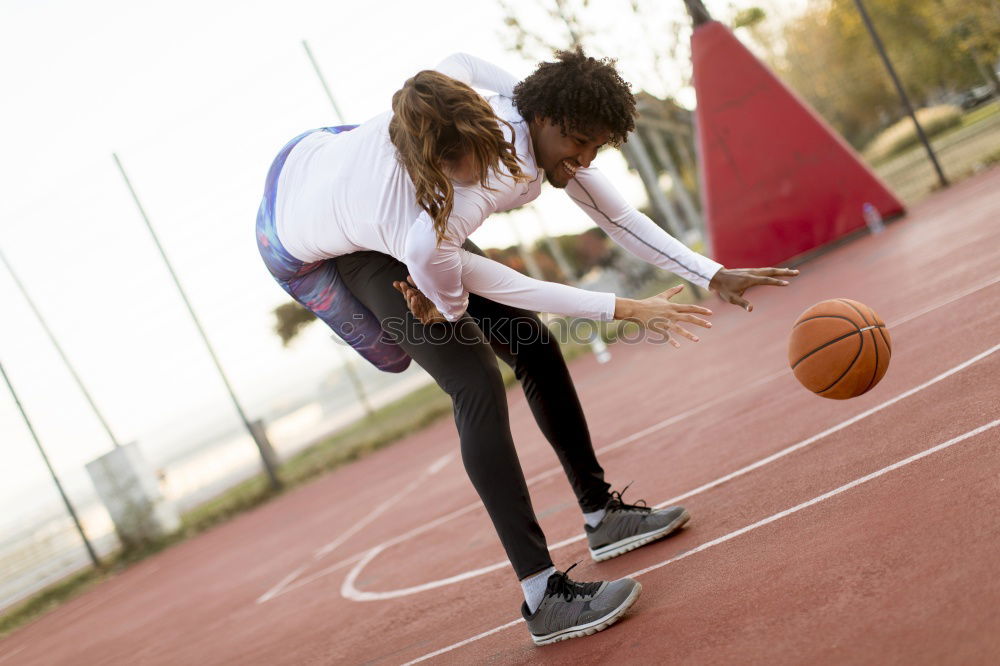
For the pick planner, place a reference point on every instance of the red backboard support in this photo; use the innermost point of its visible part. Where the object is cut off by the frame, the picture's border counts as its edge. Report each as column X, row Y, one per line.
column 777, row 181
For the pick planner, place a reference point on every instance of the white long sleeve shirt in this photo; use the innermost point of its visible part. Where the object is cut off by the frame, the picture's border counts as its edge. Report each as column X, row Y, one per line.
column 347, row 192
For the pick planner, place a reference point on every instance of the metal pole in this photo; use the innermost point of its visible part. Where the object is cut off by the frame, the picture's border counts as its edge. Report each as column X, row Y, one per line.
column 568, row 273
column 62, row 354
column 662, row 151
column 346, row 363
column 352, row 374
column 699, row 14
column 266, row 455
column 52, row 472
column 641, row 161
column 322, row 80
column 522, row 248
column 902, row 93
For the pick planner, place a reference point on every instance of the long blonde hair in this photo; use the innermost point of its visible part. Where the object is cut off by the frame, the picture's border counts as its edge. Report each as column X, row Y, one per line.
column 437, row 119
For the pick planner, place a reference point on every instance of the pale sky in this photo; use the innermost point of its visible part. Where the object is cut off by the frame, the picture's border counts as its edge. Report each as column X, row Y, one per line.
column 196, row 98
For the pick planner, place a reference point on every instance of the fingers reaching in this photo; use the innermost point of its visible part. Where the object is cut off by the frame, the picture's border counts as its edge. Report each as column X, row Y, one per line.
column 770, row 271
column 684, row 332
column 692, row 308
column 697, row 321
column 769, row 280
column 737, row 299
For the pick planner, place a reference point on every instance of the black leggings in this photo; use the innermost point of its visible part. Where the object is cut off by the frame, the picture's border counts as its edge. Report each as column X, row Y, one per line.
column 460, row 357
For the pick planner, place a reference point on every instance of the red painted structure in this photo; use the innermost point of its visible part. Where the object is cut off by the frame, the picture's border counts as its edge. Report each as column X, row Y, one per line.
column 777, row 181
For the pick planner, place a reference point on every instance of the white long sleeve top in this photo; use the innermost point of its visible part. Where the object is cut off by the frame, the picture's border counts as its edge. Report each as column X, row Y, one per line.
column 347, row 192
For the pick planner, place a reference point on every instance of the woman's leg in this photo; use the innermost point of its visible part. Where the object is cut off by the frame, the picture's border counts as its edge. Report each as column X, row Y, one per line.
column 317, row 285
column 459, row 359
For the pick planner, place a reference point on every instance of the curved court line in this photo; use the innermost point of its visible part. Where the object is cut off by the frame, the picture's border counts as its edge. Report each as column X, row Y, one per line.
column 286, row 584
column 748, row 528
column 349, row 591
column 434, row 468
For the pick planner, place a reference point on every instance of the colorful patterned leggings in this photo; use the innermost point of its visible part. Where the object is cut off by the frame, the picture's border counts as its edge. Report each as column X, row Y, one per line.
column 317, row 285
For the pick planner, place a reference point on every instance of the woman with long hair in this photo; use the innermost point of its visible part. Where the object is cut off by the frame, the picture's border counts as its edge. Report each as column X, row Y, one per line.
column 367, row 226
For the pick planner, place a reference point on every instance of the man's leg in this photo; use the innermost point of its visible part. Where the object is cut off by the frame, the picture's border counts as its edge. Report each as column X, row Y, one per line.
column 458, row 358
column 523, row 342
column 613, row 526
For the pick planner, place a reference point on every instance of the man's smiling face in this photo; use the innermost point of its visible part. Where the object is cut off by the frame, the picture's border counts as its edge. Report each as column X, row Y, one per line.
column 560, row 154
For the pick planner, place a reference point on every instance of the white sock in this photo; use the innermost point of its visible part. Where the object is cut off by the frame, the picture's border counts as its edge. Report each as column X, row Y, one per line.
column 594, row 517
column 534, row 588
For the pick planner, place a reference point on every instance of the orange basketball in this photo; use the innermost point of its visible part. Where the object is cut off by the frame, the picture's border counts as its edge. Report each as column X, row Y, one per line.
column 839, row 349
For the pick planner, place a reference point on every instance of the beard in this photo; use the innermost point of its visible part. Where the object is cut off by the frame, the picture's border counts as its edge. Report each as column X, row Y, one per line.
column 558, row 182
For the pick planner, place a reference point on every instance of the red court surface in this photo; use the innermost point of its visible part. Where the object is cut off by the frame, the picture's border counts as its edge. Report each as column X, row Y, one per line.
column 823, row 532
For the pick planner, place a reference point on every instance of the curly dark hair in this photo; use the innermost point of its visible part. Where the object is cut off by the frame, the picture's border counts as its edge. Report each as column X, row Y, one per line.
column 580, row 93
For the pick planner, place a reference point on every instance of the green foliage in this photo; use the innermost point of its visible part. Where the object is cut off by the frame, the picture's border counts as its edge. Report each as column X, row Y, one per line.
column 830, row 60
column 982, row 113
column 749, row 17
column 903, row 134
column 291, row 318
column 48, row 599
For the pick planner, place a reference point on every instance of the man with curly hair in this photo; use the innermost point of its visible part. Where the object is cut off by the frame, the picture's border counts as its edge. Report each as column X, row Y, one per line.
column 354, row 217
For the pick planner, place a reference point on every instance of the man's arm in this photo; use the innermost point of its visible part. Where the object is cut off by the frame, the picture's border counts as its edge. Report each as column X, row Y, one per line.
column 594, row 193
column 638, row 234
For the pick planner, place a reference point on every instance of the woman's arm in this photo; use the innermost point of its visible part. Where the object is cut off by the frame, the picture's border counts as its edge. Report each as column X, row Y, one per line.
column 436, row 267
column 657, row 313
column 478, row 73
column 445, row 273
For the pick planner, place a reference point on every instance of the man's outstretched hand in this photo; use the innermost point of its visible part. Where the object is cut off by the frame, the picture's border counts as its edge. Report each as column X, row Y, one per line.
column 421, row 306
column 730, row 283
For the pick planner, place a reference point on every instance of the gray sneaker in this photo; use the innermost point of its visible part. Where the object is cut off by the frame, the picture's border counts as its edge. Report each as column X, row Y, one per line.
column 570, row 609
column 625, row 527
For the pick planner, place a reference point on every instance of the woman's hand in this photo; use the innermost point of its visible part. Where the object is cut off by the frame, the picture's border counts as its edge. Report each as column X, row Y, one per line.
column 421, row 306
column 730, row 284
column 659, row 314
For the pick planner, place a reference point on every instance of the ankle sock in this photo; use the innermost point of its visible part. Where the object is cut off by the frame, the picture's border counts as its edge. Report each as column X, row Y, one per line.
column 534, row 588
column 594, row 517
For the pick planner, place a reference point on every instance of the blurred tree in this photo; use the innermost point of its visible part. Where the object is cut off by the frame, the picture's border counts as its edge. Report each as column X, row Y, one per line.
column 974, row 27
column 291, row 318
column 650, row 42
column 748, row 18
column 829, row 59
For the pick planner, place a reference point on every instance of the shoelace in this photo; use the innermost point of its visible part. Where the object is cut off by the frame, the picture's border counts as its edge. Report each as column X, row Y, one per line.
column 618, row 504
column 560, row 584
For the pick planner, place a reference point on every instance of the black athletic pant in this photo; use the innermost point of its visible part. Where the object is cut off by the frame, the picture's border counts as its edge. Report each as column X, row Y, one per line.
column 460, row 357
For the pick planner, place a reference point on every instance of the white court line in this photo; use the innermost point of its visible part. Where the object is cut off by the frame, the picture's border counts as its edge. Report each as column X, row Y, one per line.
column 948, row 301
column 286, row 583
column 367, row 556
column 5, row 657
column 349, row 591
column 434, row 468
column 749, row 528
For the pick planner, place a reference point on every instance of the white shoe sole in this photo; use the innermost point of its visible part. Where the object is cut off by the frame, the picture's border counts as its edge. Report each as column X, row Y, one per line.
column 591, row 627
column 631, row 543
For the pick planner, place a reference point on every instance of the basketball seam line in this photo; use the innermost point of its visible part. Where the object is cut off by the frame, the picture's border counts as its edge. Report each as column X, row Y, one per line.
column 871, row 382
column 874, row 344
column 802, row 321
column 835, row 340
column 853, row 361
